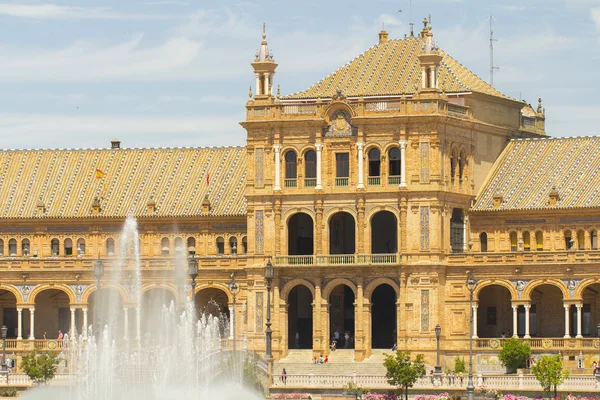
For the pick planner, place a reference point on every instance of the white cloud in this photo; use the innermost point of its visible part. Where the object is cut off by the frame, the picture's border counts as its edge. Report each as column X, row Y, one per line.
column 133, row 131
column 53, row 11
column 596, row 17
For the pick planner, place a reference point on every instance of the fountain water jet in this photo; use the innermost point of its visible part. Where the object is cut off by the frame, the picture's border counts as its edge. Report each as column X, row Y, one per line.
column 178, row 356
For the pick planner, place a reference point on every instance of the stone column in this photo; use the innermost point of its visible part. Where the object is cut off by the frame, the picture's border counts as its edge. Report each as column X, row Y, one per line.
column 432, row 77
column 267, row 84
column 257, row 84
column 403, row 144
column 475, row 321
column 579, row 307
column 515, row 321
column 277, row 149
column 527, row 308
column 31, row 323
column 361, row 184
column 231, row 321
column 85, row 322
column 320, row 344
column 567, row 330
column 125, row 323
column 72, row 327
column 19, row 324
column 423, row 77
column 465, row 238
column 318, row 147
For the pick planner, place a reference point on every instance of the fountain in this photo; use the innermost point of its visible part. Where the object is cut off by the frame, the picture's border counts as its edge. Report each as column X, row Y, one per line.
column 177, row 356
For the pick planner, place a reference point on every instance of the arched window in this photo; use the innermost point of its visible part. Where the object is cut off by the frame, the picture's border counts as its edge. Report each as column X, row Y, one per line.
column 54, row 247
column 453, row 163
column 165, row 246
column 244, row 245
column 25, row 246
column 526, row 241
column 394, row 166
column 539, row 241
column 374, row 162
column 233, row 245
column 1, row 247
column 594, row 239
column 513, row 241
column 12, row 247
column 81, row 247
column 191, row 245
column 178, row 245
column 569, row 242
column 483, row 241
column 220, row 245
column 110, row 247
column 291, row 165
column 581, row 240
column 462, row 163
column 310, row 166
column 457, row 231
column 68, row 247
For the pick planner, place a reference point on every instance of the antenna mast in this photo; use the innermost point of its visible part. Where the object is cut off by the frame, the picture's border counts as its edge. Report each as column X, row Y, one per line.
column 492, row 40
column 412, row 25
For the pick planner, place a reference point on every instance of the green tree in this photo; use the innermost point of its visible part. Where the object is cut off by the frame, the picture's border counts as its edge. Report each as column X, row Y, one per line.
column 40, row 366
column 459, row 365
column 402, row 371
column 550, row 373
column 514, row 354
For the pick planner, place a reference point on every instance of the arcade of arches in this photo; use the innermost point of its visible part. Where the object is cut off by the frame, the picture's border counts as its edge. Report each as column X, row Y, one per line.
column 546, row 314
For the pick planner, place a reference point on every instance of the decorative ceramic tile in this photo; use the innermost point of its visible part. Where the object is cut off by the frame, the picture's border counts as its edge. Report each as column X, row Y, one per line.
column 424, row 216
column 259, row 311
column 259, row 227
column 424, row 162
column 259, row 167
column 424, row 310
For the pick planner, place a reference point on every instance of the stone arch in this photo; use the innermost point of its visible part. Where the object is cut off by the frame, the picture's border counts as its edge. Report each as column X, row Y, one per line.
column 337, row 106
column 334, row 210
column 344, row 238
column 292, row 211
column 167, row 286
column 339, row 281
column 64, row 288
column 302, row 151
column 384, row 207
column 581, row 286
column 374, row 145
column 514, row 295
column 92, row 288
column 287, row 288
column 220, row 286
column 539, row 282
column 14, row 290
column 370, row 288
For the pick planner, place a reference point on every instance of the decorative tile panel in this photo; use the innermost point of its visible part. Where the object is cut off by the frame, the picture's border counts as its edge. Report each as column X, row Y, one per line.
column 424, row 310
column 424, row 216
column 259, row 311
column 259, row 227
column 424, row 162
column 259, row 167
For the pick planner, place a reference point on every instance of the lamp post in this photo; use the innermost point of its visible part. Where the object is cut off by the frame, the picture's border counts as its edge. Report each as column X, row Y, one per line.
column 471, row 284
column 98, row 273
column 438, row 333
column 193, row 273
column 598, row 333
column 269, row 275
column 234, row 288
column 4, row 331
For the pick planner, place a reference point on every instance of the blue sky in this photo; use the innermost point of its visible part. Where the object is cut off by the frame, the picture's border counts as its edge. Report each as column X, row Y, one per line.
column 177, row 72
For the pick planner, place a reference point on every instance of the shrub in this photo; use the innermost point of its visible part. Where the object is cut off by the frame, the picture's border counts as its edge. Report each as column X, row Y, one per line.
column 514, row 354
column 8, row 392
column 40, row 367
column 459, row 365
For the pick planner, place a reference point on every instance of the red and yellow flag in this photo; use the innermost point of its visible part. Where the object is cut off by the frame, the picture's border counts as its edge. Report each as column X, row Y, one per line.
column 99, row 174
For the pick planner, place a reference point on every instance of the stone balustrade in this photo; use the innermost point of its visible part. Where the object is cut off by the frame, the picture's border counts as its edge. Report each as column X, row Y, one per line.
column 524, row 257
column 339, row 259
column 543, row 343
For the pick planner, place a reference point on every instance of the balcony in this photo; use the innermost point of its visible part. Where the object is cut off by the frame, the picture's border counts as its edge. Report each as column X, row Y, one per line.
column 310, row 182
column 290, row 183
column 341, row 181
column 582, row 344
column 524, row 257
column 339, row 259
column 374, row 180
column 394, row 180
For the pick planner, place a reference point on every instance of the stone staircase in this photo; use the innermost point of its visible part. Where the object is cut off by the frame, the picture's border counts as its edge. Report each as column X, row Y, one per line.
column 341, row 362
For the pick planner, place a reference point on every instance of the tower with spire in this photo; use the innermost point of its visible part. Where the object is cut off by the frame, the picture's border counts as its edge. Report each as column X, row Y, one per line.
column 429, row 59
column 264, row 69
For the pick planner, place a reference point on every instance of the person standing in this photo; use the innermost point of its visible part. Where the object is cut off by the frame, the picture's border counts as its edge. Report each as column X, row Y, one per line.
column 60, row 335
column 284, row 376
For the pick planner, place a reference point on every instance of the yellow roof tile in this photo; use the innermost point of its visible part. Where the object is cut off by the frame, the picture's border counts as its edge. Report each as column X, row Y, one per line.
column 392, row 68
column 65, row 182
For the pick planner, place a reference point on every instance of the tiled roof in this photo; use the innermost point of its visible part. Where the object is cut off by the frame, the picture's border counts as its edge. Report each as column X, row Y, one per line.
column 65, row 181
column 529, row 169
column 392, row 68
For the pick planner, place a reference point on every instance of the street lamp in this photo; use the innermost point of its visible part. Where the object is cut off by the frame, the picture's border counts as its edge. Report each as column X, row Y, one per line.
column 98, row 273
column 438, row 333
column 471, row 284
column 269, row 275
column 598, row 333
column 234, row 289
column 193, row 273
column 4, row 331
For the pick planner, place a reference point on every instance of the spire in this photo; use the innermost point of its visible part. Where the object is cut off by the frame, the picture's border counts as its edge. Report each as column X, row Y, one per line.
column 429, row 58
column 264, row 68
column 263, row 54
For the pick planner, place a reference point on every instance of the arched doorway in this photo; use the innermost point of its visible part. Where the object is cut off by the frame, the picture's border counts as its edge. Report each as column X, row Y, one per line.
column 9, row 314
column 341, row 316
column 384, row 233
column 52, row 314
column 494, row 312
column 214, row 302
column 383, row 317
column 590, row 312
column 547, row 314
column 300, row 234
column 106, row 310
column 300, row 319
column 341, row 234
column 153, row 302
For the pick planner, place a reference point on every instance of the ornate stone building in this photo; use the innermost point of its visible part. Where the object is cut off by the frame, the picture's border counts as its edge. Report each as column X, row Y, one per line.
column 373, row 192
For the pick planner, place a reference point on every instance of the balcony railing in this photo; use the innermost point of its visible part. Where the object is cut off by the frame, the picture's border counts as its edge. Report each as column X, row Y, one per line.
column 310, row 182
column 543, row 343
column 341, row 181
column 491, row 257
column 339, row 259
column 394, row 180
column 374, row 180
column 290, row 183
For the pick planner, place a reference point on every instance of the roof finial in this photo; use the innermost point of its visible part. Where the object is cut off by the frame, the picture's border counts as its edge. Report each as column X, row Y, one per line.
column 539, row 107
column 278, row 92
column 264, row 36
column 429, row 22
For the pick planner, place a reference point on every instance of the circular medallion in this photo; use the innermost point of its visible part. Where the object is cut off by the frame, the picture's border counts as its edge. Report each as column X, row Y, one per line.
column 546, row 343
column 494, row 343
column 52, row 344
